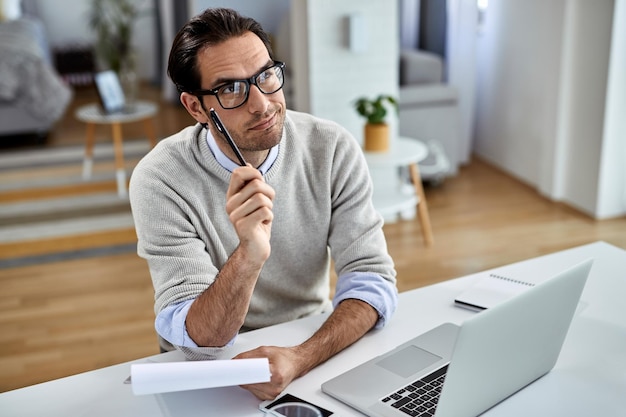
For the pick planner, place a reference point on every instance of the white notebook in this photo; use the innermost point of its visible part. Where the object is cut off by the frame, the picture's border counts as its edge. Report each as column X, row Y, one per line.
column 489, row 291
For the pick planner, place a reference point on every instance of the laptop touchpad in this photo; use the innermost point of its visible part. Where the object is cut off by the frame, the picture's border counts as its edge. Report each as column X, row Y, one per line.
column 408, row 361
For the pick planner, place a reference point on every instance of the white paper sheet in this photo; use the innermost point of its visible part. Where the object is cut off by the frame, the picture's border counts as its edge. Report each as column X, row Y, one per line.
column 154, row 378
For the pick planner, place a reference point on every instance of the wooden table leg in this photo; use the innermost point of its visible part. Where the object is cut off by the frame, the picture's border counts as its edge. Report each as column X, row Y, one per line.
column 422, row 206
column 89, row 142
column 148, row 126
column 120, row 169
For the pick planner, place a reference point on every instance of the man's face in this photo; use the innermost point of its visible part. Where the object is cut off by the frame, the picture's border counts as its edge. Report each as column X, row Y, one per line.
column 258, row 124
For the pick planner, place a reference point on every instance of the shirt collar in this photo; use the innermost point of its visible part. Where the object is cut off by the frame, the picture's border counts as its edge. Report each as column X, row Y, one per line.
column 230, row 165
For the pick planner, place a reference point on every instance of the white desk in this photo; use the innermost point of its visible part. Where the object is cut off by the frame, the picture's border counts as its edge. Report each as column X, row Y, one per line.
column 589, row 378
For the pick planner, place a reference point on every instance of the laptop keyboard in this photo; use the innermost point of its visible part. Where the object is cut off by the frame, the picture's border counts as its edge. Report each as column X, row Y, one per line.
column 420, row 397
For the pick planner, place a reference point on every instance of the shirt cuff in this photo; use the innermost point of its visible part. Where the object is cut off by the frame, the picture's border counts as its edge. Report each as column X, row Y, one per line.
column 170, row 325
column 371, row 288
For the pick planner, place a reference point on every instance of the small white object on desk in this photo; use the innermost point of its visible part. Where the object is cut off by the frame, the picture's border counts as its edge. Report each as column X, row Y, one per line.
column 489, row 291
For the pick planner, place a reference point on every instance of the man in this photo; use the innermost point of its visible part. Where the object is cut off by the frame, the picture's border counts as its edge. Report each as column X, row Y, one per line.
column 232, row 248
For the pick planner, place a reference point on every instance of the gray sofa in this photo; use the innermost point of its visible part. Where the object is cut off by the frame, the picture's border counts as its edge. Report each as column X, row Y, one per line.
column 32, row 94
column 429, row 111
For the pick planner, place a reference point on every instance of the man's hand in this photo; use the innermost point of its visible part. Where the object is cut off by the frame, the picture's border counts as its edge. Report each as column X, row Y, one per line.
column 347, row 323
column 283, row 368
column 249, row 204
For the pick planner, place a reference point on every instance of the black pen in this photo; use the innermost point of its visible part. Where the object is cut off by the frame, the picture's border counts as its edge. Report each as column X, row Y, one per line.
column 222, row 129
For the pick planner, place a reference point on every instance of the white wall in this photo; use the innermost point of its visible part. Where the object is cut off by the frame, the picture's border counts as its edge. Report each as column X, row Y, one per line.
column 612, row 183
column 518, row 74
column 587, row 40
column 331, row 77
column 545, row 102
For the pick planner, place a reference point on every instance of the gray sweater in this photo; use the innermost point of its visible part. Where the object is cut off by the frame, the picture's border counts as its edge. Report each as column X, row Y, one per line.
column 322, row 209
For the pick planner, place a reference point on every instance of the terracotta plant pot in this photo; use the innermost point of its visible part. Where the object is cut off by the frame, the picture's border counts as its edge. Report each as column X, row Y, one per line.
column 376, row 137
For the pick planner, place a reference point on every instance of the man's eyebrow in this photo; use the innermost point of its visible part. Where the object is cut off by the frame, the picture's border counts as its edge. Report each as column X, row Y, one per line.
column 224, row 80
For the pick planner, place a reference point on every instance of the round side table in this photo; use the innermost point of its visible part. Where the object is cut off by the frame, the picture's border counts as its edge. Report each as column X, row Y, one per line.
column 92, row 114
column 387, row 198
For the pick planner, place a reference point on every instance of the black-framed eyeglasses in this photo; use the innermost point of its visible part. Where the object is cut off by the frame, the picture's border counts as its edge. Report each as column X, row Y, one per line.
column 235, row 93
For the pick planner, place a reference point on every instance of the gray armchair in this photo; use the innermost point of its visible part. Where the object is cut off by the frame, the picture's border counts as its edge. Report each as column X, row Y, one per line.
column 429, row 111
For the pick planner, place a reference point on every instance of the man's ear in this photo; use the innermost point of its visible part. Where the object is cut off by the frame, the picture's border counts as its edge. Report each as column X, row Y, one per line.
column 194, row 108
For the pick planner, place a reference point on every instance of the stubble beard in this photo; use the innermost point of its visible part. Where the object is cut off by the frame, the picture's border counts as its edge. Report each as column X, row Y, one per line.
column 256, row 141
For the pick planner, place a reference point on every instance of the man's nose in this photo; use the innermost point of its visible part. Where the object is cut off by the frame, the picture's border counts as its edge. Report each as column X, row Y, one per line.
column 257, row 101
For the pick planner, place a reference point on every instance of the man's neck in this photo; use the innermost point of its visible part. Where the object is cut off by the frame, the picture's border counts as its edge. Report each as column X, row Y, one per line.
column 253, row 158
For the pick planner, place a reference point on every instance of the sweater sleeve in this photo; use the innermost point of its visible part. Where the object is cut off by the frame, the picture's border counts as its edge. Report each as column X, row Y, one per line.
column 364, row 268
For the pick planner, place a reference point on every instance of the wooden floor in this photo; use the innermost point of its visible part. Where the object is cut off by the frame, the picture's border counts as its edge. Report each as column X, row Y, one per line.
column 62, row 318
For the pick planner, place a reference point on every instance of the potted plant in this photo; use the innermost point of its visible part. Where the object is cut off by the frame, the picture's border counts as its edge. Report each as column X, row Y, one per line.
column 376, row 133
column 112, row 21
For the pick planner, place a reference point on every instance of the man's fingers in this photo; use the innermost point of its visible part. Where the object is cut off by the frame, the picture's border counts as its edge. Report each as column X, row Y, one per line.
column 263, row 391
column 241, row 177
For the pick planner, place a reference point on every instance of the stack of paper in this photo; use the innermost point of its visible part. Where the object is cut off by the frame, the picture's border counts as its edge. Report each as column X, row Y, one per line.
column 153, row 378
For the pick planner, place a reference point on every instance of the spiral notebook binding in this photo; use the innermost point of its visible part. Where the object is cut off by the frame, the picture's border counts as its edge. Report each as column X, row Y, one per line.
column 512, row 280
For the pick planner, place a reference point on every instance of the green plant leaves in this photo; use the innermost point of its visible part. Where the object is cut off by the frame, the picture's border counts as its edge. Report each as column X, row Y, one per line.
column 374, row 110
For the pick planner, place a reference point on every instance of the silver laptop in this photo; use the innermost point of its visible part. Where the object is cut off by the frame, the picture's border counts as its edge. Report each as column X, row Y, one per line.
column 462, row 371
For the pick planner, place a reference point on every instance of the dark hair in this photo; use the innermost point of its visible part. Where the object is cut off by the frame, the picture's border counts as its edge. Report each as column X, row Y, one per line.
column 210, row 27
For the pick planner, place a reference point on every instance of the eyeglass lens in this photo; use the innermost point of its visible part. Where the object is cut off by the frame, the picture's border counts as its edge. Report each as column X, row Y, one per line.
column 236, row 93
